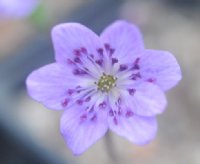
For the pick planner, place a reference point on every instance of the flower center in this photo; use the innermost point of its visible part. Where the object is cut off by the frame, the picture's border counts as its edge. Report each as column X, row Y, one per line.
column 106, row 83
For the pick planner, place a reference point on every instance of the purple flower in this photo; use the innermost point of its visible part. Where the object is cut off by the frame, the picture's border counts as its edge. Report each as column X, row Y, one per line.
column 106, row 82
column 17, row 8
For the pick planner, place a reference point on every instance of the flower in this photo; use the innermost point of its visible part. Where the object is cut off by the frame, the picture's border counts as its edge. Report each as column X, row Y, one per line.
column 106, row 82
column 17, row 8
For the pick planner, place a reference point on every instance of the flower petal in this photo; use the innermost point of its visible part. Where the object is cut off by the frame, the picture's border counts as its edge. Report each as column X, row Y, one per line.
column 161, row 68
column 80, row 131
column 137, row 129
column 74, row 41
column 49, row 84
column 144, row 99
column 125, row 39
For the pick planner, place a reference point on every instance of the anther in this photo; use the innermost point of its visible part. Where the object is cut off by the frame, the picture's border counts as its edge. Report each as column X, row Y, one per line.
column 106, row 83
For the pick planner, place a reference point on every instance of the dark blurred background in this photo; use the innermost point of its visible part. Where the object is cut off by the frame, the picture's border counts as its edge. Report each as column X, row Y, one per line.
column 29, row 133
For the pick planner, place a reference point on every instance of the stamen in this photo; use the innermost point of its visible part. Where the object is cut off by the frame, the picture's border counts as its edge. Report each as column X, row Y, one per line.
column 102, row 105
column 114, row 60
column 136, row 64
column 111, row 51
column 65, row 102
column 122, row 67
column 79, row 72
column 115, row 121
column 70, row 91
column 84, row 50
column 106, row 83
column 107, row 46
column 94, row 118
column 111, row 113
column 100, row 51
column 99, row 62
column 151, row 80
column 88, row 99
column 79, row 102
column 135, row 76
column 83, row 117
column 77, row 60
column 131, row 91
column 129, row 113
column 77, row 52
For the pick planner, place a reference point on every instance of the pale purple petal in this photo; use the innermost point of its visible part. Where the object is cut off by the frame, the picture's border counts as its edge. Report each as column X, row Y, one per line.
column 161, row 68
column 17, row 8
column 144, row 99
column 137, row 129
column 124, row 39
column 81, row 130
column 49, row 85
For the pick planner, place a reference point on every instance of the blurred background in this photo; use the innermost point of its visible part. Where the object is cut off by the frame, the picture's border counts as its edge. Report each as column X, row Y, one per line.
column 29, row 133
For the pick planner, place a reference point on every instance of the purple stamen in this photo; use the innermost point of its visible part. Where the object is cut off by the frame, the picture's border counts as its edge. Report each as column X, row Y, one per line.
column 114, row 60
column 65, row 102
column 131, row 91
column 77, row 52
column 151, row 80
column 84, row 50
column 102, row 105
column 94, row 118
column 135, row 76
column 79, row 72
column 111, row 51
column 107, row 46
column 70, row 91
column 115, row 121
column 77, row 60
column 123, row 67
column 100, row 51
column 88, row 99
column 129, row 113
column 79, row 102
column 99, row 62
column 83, row 117
column 69, row 61
column 111, row 113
